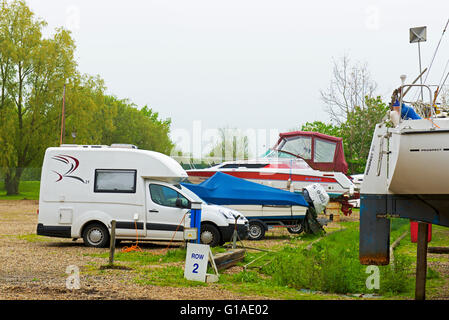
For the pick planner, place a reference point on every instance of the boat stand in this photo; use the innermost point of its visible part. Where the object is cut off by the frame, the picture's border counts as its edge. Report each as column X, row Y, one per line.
column 421, row 261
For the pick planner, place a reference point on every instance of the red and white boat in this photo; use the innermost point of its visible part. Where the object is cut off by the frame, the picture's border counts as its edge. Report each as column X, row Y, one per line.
column 299, row 159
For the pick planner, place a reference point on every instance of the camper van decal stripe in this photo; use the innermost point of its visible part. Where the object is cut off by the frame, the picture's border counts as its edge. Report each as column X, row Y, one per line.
column 60, row 176
column 150, row 226
column 77, row 163
column 164, row 227
column 76, row 178
column 60, row 159
column 129, row 225
column 73, row 163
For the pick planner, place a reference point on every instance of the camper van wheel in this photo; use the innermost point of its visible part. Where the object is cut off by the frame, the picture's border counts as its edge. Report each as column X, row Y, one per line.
column 297, row 229
column 256, row 230
column 210, row 235
column 96, row 235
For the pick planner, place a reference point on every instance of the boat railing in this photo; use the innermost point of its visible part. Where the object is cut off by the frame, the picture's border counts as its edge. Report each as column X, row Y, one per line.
column 408, row 87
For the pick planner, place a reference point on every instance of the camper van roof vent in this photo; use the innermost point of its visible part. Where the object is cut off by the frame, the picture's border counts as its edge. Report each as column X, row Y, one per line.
column 69, row 145
column 81, row 146
column 124, row 146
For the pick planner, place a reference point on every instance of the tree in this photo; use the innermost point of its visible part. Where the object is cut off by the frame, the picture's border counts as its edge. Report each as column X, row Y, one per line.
column 33, row 72
column 354, row 109
column 349, row 87
column 321, row 127
column 231, row 145
column 142, row 128
column 357, row 132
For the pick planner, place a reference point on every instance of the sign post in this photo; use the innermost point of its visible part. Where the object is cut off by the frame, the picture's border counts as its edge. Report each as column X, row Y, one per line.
column 197, row 259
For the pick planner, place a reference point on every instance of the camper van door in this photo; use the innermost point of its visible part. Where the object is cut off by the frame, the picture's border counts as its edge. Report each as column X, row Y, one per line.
column 164, row 216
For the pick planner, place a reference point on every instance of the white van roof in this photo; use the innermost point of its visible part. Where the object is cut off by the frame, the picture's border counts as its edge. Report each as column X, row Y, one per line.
column 149, row 164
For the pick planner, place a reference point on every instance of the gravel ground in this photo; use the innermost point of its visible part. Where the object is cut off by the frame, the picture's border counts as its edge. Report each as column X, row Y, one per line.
column 34, row 268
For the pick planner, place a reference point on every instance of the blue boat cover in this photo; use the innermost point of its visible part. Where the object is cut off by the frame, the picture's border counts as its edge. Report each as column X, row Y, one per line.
column 223, row 189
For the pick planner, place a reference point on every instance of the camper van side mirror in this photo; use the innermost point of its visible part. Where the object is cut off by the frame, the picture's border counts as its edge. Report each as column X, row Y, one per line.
column 181, row 204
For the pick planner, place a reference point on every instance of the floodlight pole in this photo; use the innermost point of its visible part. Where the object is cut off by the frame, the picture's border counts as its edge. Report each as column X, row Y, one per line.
column 420, row 68
column 61, row 141
column 417, row 35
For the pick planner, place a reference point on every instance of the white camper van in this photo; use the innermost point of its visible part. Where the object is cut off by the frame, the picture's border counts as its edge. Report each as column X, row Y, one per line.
column 84, row 188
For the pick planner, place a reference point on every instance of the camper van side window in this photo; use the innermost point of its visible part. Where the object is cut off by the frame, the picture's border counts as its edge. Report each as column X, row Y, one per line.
column 115, row 181
column 165, row 196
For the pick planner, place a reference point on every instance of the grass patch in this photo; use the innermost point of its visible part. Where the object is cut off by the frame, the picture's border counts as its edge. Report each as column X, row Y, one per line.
column 33, row 238
column 330, row 270
column 332, row 265
column 170, row 276
column 146, row 258
column 253, row 283
column 28, row 190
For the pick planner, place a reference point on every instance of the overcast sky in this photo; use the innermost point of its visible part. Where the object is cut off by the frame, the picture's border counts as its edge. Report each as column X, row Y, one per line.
column 243, row 63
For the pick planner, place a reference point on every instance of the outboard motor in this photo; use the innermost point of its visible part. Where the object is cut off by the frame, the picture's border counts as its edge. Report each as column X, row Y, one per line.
column 318, row 199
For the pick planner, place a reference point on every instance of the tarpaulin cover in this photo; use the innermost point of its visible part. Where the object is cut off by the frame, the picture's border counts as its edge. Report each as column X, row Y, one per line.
column 326, row 152
column 223, row 189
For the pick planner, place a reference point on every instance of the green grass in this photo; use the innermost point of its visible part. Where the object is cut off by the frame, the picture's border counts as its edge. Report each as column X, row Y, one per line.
column 330, row 270
column 33, row 238
column 146, row 258
column 332, row 265
column 28, row 190
column 172, row 276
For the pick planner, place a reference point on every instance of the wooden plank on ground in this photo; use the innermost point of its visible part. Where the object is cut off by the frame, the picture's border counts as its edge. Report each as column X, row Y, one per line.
column 441, row 250
column 228, row 259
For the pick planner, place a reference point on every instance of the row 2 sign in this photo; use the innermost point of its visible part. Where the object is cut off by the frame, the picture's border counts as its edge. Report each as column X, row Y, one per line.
column 197, row 258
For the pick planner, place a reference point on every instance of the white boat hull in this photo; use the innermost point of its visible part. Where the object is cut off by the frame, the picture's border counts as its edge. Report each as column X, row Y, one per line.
column 419, row 159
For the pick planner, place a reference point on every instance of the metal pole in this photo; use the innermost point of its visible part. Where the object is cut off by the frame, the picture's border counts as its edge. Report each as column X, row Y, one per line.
column 112, row 243
column 63, row 119
column 234, row 235
column 421, row 261
column 420, row 69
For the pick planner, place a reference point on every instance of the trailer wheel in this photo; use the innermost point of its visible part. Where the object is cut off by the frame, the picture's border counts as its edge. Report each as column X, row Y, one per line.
column 210, row 235
column 256, row 230
column 298, row 229
column 96, row 235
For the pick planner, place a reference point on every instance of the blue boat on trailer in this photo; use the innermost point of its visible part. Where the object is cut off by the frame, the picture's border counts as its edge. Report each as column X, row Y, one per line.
column 263, row 206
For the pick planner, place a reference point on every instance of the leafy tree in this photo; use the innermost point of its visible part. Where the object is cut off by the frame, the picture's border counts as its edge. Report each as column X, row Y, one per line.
column 33, row 72
column 142, row 128
column 321, row 127
column 356, row 131
column 354, row 110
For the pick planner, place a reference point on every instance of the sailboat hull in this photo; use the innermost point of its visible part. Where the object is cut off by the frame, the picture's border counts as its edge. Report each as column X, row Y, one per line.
column 419, row 161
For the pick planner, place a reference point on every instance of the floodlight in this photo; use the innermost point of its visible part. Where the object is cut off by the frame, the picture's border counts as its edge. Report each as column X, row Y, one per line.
column 418, row 34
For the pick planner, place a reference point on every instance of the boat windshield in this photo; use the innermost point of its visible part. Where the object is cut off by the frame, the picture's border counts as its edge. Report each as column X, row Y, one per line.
column 278, row 154
column 281, row 159
column 299, row 145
